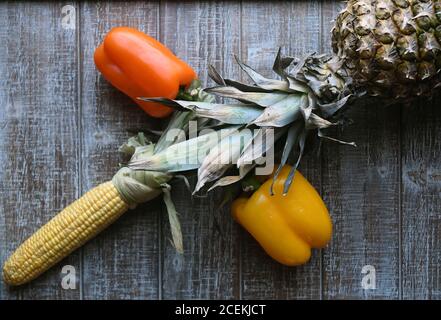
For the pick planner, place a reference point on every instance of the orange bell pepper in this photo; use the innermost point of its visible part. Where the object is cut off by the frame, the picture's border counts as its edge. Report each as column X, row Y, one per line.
column 286, row 226
column 141, row 66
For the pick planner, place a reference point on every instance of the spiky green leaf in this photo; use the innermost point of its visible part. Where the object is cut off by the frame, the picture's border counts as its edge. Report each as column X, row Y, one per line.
column 263, row 140
column 222, row 156
column 281, row 63
column 226, row 113
column 182, row 156
column 283, row 112
column 262, row 99
column 261, row 81
column 330, row 109
column 291, row 138
column 175, row 225
column 228, row 180
column 289, row 179
column 179, row 120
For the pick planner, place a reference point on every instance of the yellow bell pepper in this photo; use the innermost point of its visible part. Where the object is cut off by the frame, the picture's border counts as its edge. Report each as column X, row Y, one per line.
column 286, row 226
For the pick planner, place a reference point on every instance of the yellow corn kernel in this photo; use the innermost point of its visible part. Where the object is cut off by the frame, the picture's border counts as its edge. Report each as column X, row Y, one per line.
column 71, row 228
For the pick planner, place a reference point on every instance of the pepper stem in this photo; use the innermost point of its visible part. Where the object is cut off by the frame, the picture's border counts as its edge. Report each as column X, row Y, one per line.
column 194, row 92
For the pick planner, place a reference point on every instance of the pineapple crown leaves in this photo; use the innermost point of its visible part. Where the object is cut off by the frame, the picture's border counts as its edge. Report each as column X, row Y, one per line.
column 221, row 157
column 300, row 101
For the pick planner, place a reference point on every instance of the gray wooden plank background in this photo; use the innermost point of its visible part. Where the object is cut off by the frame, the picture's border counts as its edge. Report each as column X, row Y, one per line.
column 61, row 122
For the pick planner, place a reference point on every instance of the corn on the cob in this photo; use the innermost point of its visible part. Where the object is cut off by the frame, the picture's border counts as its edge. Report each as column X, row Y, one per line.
column 71, row 228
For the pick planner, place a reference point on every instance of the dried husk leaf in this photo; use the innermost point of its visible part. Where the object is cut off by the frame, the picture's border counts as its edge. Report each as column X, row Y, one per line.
column 330, row 109
column 179, row 120
column 295, row 85
column 289, row 179
column 323, row 136
column 262, row 99
column 183, row 156
column 222, row 157
column 315, row 122
column 132, row 143
column 261, row 81
column 281, row 63
column 283, row 112
column 228, row 180
column 216, row 77
column 175, row 225
column 225, row 113
column 233, row 114
column 291, row 138
column 262, row 141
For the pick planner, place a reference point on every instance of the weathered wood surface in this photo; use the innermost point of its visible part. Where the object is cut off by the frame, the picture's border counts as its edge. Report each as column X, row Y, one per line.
column 361, row 187
column 265, row 28
column 61, row 122
column 39, row 131
column 202, row 33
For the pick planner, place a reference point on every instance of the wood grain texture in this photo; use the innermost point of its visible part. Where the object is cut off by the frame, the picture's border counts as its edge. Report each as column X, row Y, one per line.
column 421, row 202
column 4, row 251
column 266, row 26
column 361, row 188
column 61, row 123
column 203, row 33
column 38, row 132
column 123, row 262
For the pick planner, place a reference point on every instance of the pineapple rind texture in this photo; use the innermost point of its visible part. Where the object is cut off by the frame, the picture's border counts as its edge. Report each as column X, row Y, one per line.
column 391, row 48
column 67, row 231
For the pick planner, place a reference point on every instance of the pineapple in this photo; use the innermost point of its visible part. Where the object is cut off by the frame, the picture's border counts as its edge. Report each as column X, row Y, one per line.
column 391, row 48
